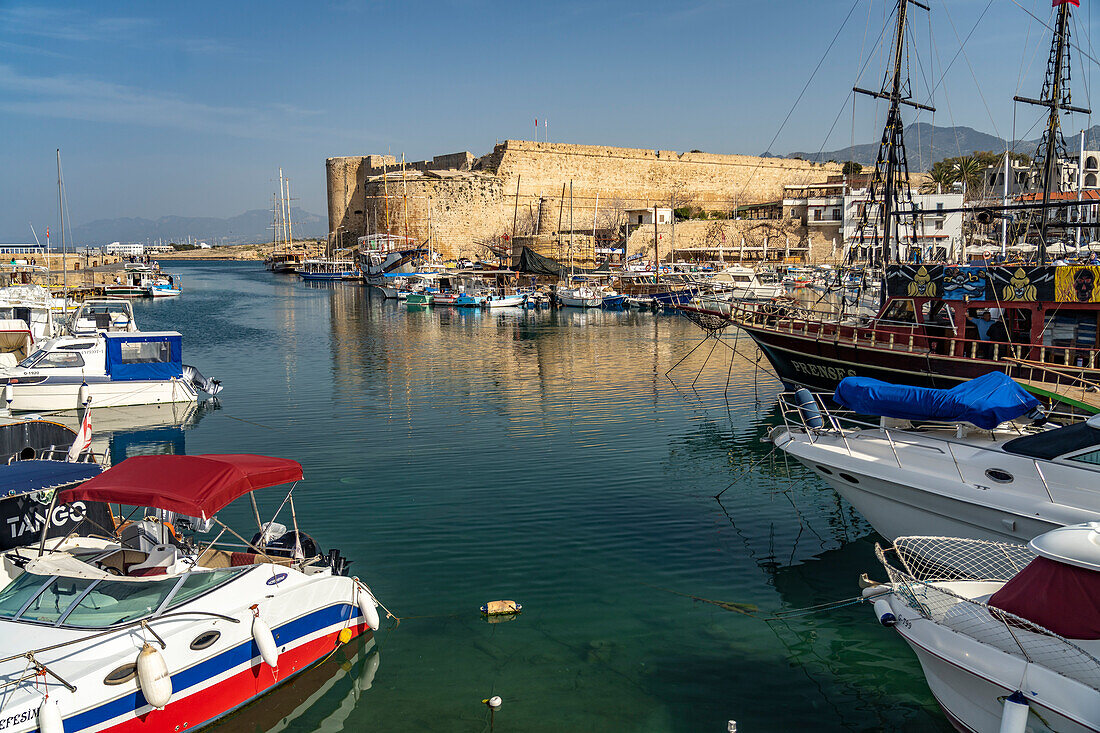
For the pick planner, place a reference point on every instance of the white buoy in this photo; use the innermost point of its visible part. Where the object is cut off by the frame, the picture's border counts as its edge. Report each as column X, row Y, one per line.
column 265, row 640
column 884, row 612
column 49, row 717
column 368, row 606
column 82, row 395
column 153, row 677
column 495, row 702
column 1014, row 717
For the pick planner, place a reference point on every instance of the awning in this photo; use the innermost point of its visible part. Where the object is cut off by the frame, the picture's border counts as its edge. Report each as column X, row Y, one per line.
column 1056, row 596
column 23, row 477
column 198, row 486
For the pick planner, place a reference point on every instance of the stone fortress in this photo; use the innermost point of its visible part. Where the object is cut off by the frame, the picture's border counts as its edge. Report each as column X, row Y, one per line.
column 554, row 196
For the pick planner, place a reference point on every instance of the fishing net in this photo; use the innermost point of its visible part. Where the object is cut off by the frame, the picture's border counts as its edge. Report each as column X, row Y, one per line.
column 709, row 322
column 931, row 564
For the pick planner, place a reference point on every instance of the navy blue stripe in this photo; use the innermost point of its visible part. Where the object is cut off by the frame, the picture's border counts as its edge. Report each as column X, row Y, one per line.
column 243, row 653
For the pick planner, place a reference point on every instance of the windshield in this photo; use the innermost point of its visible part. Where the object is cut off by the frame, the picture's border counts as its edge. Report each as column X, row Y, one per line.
column 30, row 360
column 93, row 603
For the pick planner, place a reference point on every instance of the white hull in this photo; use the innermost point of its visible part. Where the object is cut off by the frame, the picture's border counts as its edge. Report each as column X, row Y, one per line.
column 580, row 302
column 50, row 398
column 970, row 680
column 504, row 301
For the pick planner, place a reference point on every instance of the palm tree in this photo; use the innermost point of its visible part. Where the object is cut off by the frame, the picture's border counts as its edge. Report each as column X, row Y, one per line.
column 970, row 170
column 940, row 178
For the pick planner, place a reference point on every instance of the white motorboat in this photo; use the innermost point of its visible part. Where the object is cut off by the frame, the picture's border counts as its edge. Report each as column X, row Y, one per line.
column 582, row 297
column 26, row 318
column 744, row 283
column 110, row 369
column 948, row 477
column 164, row 285
column 170, row 630
column 1008, row 636
column 98, row 315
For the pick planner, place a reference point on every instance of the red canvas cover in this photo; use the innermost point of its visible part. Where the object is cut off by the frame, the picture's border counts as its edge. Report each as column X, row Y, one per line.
column 1062, row 598
column 197, row 486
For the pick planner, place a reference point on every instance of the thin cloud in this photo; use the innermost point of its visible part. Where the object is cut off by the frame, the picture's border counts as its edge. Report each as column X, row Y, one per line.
column 81, row 98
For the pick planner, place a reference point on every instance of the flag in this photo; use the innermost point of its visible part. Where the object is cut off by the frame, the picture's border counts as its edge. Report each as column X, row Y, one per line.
column 1056, row 3
column 83, row 440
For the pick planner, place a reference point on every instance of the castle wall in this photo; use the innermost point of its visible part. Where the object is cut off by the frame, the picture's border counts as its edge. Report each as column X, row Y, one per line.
column 475, row 200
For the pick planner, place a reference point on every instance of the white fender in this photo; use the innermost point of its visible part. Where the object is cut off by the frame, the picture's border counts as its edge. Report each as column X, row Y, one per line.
column 1014, row 717
column 153, row 677
column 82, row 395
column 9, row 393
column 49, row 717
column 265, row 640
column 367, row 605
column 884, row 612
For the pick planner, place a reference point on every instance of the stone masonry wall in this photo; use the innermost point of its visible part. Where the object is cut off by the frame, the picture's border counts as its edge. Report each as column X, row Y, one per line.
column 476, row 199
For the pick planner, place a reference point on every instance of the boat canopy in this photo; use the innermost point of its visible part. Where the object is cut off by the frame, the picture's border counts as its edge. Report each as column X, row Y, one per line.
column 1060, row 597
column 198, row 486
column 145, row 355
column 986, row 401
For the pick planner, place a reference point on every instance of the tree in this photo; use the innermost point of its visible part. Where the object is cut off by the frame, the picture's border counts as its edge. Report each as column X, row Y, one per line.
column 851, row 168
column 940, row 178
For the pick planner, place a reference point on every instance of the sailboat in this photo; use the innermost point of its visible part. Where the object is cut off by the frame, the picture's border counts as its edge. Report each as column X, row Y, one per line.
column 282, row 260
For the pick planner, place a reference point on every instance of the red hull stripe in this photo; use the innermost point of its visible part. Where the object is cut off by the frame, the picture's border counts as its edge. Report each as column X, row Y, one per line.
column 204, row 704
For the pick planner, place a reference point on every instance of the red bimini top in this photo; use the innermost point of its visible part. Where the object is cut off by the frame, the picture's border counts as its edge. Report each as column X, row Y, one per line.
column 1063, row 598
column 198, row 486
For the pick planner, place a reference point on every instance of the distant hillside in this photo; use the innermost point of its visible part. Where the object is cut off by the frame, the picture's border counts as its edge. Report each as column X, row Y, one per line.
column 926, row 145
column 247, row 228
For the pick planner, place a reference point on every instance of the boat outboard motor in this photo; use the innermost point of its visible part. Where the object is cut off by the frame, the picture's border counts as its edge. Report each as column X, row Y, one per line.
column 210, row 386
column 284, row 544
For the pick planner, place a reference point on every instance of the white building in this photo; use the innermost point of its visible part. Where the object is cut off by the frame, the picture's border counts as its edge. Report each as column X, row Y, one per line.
column 129, row 248
column 641, row 217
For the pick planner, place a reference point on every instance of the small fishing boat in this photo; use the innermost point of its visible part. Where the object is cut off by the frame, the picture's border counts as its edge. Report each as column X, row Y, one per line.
column 165, row 629
column 471, row 299
column 1008, row 636
column 420, row 299
column 614, row 301
column 505, row 300
column 165, row 286
column 112, row 368
column 581, row 297
column 131, row 283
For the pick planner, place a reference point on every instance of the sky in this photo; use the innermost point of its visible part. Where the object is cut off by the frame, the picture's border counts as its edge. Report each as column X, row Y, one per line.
column 190, row 108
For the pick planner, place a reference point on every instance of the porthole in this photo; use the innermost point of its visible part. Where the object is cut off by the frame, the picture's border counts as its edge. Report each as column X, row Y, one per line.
column 125, row 673
column 849, row 478
column 826, row 471
column 999, row 475
column 205, row 639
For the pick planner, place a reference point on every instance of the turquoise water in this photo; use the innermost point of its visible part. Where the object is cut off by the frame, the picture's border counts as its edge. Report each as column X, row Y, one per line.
column 459, row 457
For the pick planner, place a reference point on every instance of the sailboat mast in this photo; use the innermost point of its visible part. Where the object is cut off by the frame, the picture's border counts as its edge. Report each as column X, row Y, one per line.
column 893, row 118
column 1053, row 127
column 405, row 199
column 61, row 210
column 289, row 218
column 386, row 194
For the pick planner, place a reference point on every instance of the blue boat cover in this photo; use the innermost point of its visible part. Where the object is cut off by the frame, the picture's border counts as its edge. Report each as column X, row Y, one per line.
column 23, row 477
column 986, row 401
column 148, row 356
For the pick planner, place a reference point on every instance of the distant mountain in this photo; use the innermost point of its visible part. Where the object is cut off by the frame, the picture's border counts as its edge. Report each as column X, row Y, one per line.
column 247, row 228
column 926, row 145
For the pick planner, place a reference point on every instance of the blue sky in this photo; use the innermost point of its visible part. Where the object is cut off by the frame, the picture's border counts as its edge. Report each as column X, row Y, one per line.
column 190, row 108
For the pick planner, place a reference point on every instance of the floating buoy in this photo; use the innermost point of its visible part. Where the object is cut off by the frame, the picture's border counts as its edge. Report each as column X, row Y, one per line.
column 265, row 640
column 501, row 608
column 493, row 702
column 884, row 612
column 153, row 677
column 49, row 717
column 344, row 636
column 367, row 606
column 1014, row 717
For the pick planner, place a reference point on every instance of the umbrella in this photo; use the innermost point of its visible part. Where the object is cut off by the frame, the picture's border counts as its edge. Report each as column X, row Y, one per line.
column 1023, row 247
column 1093, row 247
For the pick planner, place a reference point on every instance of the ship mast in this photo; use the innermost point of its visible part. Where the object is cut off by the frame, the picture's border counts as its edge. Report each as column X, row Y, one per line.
column 892, row 160
column 1055, row 97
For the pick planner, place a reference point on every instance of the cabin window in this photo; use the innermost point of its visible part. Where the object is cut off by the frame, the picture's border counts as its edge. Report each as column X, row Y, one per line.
column 49, row 605
column 197, row 583
column 1092, row 457
column 901, row 311
column 145, row 352
column 55, row 359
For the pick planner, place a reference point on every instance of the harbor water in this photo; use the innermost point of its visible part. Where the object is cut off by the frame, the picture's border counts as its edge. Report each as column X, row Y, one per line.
column 459, row 457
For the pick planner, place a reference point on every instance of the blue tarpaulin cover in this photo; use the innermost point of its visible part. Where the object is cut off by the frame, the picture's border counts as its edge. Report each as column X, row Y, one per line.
column 986, row 401
column 22, row 477
column 148, row 356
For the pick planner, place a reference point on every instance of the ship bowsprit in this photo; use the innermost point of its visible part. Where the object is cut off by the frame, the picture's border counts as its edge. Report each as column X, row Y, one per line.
column 210, row 386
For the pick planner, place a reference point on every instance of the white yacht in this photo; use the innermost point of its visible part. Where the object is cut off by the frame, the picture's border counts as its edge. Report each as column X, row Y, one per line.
column 743, row 283
column 948, row 477
column 1008, row 636
column 26, row 318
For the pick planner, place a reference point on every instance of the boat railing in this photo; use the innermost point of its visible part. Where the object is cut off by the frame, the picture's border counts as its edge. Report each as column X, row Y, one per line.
column 921, row 585
column 846, row 424
column 904, row 336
